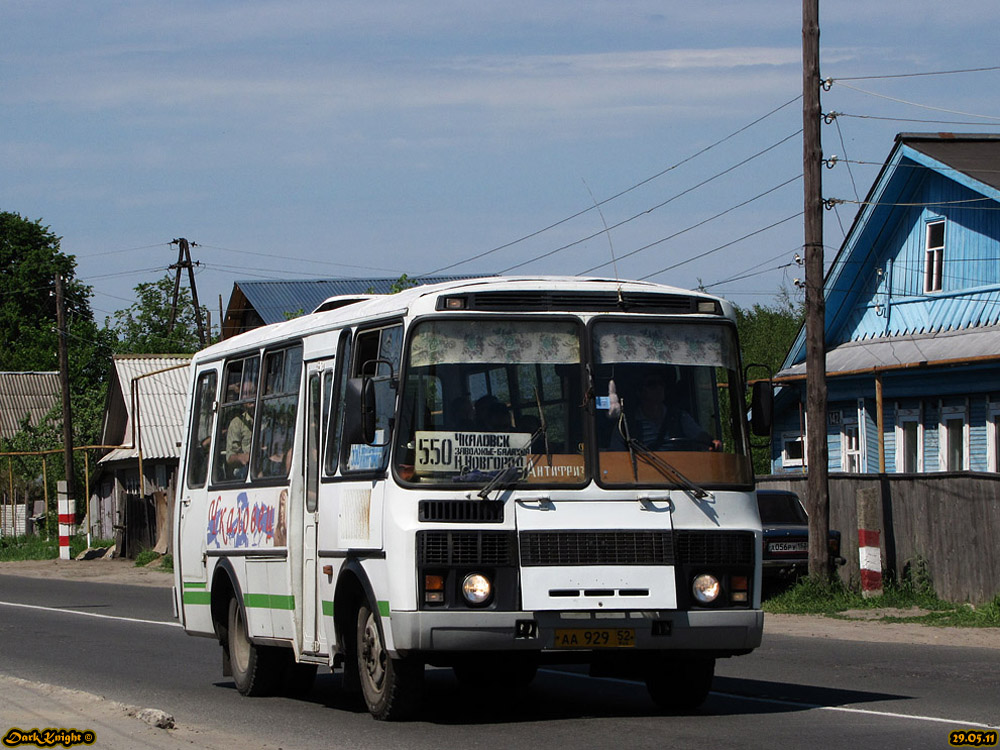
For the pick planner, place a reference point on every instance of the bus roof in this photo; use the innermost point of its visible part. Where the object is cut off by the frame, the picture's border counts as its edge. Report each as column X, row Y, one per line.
column 423, row 299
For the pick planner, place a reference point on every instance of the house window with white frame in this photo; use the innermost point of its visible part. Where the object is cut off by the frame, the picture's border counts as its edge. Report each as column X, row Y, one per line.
column 993, row 436
column 793, row 451
column 953, row 438
column 909, row 441
column 933, row 256
column 850, row 444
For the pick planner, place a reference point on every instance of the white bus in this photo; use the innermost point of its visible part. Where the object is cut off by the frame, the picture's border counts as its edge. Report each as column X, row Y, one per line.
column 486, row 475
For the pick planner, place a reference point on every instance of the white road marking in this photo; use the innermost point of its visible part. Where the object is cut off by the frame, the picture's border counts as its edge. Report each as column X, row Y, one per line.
column 797, row 704
column 848, row 710
column 91, row 614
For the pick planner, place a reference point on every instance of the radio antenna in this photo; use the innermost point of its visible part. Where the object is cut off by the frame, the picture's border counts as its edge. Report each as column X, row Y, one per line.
column 614, row 261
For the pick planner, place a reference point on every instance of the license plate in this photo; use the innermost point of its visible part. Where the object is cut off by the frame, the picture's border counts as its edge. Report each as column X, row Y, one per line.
column 595, row 638
column 788, row 546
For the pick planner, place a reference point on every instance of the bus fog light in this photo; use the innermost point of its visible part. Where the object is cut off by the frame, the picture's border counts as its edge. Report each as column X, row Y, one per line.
column 476, row 588
column 706, row 588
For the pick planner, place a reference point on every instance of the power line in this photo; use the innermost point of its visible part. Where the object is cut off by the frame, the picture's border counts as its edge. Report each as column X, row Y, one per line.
column 909, row 119
column 656, row 207
column 696, row 225
column 914, row 75
column 680, row 163
column 304, row 260
column 917, row 104
column 756, row 266
column 127, row 250
column 728, row 244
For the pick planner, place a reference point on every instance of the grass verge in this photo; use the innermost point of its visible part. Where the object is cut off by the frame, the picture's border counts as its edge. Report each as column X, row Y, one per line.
column 834, row 598
column 36, row 548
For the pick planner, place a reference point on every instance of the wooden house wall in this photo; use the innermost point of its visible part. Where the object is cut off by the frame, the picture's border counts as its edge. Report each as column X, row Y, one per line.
column 888, row 295
column 951, row 521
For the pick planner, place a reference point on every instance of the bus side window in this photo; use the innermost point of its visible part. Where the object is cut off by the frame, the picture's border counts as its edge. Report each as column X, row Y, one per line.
column 236, row 419
column 278, row 408
column 381, row 344
column 336, row 422
column 199, row 441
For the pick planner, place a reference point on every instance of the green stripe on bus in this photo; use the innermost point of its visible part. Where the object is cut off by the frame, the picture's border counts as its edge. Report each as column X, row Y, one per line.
column 197, row 597
column 383, row 609
column 269, row 601
column 327, row 608
column 195, row 585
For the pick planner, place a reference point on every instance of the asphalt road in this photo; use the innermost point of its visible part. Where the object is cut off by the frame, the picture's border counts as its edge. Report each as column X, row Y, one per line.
column 121, row 642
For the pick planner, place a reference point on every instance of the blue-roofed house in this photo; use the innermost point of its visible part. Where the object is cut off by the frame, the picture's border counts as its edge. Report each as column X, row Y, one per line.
column 256, row 303
column 912, row 321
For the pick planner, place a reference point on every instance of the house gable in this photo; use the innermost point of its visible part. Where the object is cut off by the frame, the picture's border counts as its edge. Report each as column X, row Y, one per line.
column 876, row 285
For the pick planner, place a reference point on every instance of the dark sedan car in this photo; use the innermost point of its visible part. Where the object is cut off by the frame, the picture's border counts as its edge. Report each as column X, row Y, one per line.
column 786, row 535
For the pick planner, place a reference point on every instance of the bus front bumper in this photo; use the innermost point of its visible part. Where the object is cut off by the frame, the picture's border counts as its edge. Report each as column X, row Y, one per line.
column 721, row 631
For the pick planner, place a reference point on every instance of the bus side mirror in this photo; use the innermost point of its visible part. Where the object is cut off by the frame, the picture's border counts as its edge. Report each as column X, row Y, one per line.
column 359, row 411
column 762, row 405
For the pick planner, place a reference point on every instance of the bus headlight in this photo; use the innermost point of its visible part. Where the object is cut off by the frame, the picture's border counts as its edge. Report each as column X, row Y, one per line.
column 706, row 588
column 476, row 588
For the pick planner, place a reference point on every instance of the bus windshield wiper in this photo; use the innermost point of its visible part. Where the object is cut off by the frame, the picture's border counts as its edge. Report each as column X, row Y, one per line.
column 663, row 466
column 512, row 472
column 636, row 449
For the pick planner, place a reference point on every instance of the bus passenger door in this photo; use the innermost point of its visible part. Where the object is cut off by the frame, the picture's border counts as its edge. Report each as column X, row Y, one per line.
column 319, row 376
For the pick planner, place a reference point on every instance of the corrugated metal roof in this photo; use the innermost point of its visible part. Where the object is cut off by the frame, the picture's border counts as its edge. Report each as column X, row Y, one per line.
column 899, row 352
column 30, row 394
column 162, row 400
column 275, row 300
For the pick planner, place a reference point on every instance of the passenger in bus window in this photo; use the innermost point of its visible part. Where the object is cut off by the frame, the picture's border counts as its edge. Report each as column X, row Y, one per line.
column 658, row 422
column 462, row 415
column 492, row 415
column 240, row 433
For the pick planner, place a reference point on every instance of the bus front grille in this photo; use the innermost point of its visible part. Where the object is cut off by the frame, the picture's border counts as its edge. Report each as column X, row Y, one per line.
column 715, row 547
column 549, row 548
column 636, row 547
column 466, row 548
column 459, row 511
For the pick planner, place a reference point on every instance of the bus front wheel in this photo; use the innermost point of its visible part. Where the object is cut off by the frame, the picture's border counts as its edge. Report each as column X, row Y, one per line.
column 256, row 669
column 680, row 685
column 391, row 687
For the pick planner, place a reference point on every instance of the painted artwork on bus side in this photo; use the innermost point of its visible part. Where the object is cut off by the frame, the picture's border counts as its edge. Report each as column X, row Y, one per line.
column 239, row 522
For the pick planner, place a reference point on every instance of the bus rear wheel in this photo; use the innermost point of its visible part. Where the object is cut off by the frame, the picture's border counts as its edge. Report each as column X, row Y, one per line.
column 680, row 685
column 256, row 669
column 391, row 687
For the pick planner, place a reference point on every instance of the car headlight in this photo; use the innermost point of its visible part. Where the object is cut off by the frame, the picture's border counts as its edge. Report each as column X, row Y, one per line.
column 706, row 588
column 476, row 588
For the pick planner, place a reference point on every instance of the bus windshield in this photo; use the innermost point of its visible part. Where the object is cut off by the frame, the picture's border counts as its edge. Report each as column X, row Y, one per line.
column 665, row 414
column 483, row 397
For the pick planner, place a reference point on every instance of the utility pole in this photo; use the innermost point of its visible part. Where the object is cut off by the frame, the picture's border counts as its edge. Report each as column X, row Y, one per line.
column 817, row 485
column 184, row 261
column 67, row 419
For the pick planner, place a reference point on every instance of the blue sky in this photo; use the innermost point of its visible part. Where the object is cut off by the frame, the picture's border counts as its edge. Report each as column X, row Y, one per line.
column 301, row 139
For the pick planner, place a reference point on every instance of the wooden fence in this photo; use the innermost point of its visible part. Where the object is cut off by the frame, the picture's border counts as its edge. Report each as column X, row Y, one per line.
column 948, row 522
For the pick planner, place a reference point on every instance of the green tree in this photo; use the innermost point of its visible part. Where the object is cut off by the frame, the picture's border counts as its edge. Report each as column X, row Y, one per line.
column 144, row 326
column 766, row 334
column 30, row 258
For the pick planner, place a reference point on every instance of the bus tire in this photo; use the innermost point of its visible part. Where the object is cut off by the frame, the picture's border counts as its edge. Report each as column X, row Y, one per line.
column 390, row 687
column 681, row 684
column 256, row 669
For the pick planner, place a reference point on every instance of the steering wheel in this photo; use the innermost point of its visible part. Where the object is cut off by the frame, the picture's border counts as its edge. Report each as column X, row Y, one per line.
column 683, row 444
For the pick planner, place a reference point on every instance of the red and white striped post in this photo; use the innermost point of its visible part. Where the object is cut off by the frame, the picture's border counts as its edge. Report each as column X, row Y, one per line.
column 67, row 519
column 869, row 504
